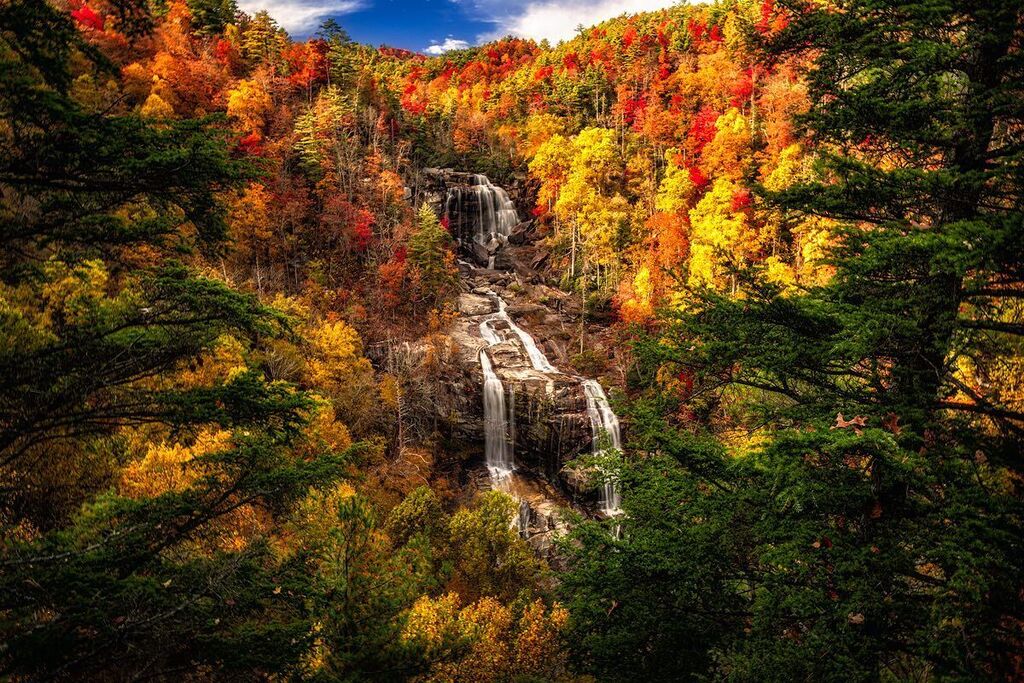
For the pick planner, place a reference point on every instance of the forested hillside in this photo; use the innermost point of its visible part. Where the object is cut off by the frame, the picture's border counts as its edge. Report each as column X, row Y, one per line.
column 304, row 347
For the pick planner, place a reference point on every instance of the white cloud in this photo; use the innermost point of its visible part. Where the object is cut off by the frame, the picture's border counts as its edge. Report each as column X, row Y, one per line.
column 301, row 16
column 554, row 20
column 448, row 44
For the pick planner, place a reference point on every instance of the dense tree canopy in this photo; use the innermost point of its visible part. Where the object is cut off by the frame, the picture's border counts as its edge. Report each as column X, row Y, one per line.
column 871, row 521
column 225, row 306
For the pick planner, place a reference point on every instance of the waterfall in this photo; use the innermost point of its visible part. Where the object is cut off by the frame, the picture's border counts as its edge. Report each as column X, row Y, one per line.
column 500, row 423
column 498, row 447
column 488, row 334
column 604, row 423
column 537, row 358
column 512, row 421
column 495, row 213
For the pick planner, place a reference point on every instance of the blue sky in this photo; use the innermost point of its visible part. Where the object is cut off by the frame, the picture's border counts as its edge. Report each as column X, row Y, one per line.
column 434, row 26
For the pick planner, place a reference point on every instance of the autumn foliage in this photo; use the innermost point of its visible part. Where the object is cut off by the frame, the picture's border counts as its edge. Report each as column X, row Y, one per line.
column 225, row 298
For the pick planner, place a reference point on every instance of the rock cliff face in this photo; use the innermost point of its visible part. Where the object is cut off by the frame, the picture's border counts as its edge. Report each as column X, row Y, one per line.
column 550, row 424
column 482, row 217
column 523, row 328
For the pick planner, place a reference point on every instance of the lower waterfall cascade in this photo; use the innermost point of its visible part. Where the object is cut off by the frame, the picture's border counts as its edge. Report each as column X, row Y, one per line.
column 499, row 448
column 605, row 423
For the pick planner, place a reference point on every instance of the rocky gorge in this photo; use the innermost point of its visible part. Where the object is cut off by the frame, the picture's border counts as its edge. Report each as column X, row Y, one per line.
column 517, row 404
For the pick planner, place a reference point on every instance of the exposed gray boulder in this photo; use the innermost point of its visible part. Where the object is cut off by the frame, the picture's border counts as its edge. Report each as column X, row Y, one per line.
column 479, row 254
column 521, row 234
column 475, row 305
column 526, row 309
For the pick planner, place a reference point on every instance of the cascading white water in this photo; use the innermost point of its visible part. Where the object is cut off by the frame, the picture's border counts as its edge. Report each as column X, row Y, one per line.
column 606, row 426
column 495, row 212
column 537, row 358
column 498, row 447
column 603, row 420
column 499, row 422
column 512, row 420
column 496, row 216
column 489, row 334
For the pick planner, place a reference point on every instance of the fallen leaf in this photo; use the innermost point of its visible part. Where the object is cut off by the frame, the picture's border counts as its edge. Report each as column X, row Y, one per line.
column 892, row 423
column 858, row 423
column 857, row 618
column 857, row 462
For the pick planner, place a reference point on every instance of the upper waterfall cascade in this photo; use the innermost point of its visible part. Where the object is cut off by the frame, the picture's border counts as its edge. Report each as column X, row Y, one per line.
column 494, row 213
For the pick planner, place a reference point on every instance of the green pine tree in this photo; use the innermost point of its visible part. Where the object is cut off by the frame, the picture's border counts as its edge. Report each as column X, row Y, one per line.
column 211, row 17
column 429, row 251
column 94, row 585
column 342, row 54
column 262, row 39
column 871, row 530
